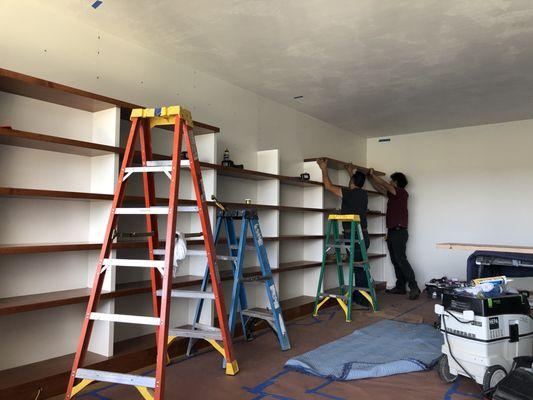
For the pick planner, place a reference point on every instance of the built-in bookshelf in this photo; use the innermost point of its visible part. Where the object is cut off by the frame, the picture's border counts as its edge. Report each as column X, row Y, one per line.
column 60, row 150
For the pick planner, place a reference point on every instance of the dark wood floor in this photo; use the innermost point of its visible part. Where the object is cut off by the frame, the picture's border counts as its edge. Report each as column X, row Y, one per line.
column 262, row 375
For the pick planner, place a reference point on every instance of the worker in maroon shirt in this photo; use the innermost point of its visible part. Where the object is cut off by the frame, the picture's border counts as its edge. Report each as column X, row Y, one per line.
column 397, row 235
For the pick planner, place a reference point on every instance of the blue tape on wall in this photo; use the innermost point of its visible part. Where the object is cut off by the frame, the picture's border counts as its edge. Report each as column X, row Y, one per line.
column 97, row 4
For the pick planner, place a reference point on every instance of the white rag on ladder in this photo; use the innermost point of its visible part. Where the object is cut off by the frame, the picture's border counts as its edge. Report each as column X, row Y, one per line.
column 180, row 251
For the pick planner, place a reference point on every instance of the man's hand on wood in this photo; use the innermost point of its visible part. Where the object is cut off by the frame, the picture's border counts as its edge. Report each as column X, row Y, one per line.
column 322, row 163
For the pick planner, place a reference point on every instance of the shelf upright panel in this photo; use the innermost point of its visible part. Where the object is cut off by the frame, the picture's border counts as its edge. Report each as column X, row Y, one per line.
column 104, row 173
column 269, row 192
column 313, row 225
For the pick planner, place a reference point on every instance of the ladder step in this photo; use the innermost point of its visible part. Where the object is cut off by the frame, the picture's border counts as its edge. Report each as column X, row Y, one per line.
column 164, row 163
column 190, row 294
column 334, row 293
column 261, row 313
column 339, row 246
column 236, row 247
column 162, row 168
column 114, row 377
column 256, row 278
column 134, row 263
column 153, row 210
column 204, row 333
column 128, row 319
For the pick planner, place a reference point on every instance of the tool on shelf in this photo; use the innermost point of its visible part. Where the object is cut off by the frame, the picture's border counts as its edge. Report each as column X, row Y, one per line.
column 344, row 293
column 236, row 250
column 160, row 261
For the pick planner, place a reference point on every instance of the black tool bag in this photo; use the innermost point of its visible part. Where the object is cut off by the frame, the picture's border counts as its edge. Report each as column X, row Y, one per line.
column 518, row 385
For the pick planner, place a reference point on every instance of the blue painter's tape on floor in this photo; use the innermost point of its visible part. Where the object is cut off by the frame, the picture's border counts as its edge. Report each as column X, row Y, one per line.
column 316, row 391
column 454, row 389
column 260, row 389
column 97, row 4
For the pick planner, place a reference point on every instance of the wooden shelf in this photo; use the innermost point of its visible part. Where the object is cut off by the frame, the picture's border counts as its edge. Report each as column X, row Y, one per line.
column 56, row 194
column 20, row 304
column 131, row 354
column 486, row 247
column 13, row 137
column 60, row 194
column 340, row 165
column 40, row 89
column 59, row 247
column 31, row 248
column 260, row 176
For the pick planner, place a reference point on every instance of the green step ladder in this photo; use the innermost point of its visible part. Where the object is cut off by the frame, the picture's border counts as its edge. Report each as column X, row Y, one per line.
column 343, row 293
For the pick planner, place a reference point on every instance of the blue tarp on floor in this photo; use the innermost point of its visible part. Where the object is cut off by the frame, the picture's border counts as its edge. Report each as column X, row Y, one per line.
column 382, row 349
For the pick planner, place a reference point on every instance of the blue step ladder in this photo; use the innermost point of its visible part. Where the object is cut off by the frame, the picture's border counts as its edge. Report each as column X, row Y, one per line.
column 239, row 304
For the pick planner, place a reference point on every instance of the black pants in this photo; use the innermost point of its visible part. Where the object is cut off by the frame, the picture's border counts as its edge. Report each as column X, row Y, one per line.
column 360, row 276
column 397, row 242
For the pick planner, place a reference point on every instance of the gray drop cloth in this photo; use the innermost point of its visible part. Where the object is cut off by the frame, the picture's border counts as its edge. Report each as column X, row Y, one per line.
column 381, row 349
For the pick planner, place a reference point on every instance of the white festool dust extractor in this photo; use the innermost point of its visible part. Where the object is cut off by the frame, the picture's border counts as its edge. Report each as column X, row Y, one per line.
column 482, row 336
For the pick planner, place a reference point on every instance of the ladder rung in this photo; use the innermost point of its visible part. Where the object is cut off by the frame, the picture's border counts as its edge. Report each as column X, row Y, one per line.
column 161, row 168
column 134, row 263
column 115, row 377
column 212, row 333
column 256, row 278
column 261, row 313
column 190, row 294
column 334, row 293
column 142, row 210
column 128, row 319
column 164, row 163
column 153, row 210
column 236, row 247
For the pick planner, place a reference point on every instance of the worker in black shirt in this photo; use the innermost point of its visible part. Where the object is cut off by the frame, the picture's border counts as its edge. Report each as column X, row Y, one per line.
column 354, row 201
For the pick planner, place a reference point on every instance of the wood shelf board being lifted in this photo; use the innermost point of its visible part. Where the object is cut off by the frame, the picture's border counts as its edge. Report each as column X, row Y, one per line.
column 486, row 247
column 340, row 165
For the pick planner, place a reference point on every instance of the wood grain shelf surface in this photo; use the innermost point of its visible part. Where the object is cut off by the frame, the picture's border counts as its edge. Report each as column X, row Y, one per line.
column 59, row 144
column 69, row 195
column 41, row 89
column 340, row 165
column 20, row 304
column 486, row 247
column 39, row 141
column 30, row 248
column 131, row 354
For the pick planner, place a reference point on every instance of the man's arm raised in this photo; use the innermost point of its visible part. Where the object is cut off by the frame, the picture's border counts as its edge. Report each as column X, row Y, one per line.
column 323, row 164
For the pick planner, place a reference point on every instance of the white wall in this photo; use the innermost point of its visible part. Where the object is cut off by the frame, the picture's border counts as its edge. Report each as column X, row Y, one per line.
column 472, row 184
column 61, row 50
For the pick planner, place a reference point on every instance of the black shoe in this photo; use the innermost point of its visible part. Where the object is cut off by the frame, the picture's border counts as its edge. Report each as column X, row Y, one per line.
column 414, row 294
column 396, row 290
column 359, row 299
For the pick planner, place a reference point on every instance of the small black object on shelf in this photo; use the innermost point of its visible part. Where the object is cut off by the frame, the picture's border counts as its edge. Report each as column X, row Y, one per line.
column 226, row 162
column 305, row 176
column 184, row 155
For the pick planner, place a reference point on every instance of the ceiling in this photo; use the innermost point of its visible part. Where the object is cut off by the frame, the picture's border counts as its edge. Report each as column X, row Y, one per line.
column 372, row 67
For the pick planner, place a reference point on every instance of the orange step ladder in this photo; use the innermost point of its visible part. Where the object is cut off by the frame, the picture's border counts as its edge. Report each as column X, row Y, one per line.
column 160, row 261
